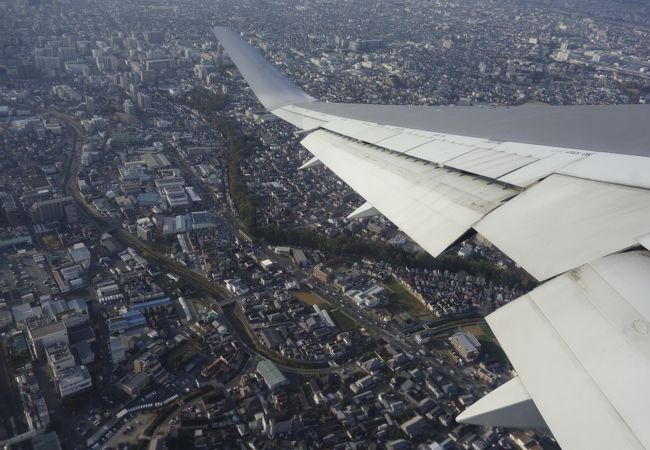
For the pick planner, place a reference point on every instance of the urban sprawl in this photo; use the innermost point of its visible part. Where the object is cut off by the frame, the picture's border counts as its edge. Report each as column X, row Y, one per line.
column 172, row 278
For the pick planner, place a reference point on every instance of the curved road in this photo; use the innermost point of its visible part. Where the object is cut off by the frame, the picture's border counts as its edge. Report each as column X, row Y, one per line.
column 240, row 328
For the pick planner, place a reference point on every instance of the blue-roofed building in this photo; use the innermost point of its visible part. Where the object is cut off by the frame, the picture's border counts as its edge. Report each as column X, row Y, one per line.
column 199, row 220
column 176, row 224
column 22, row 311
column 52, row 308
column 117, row 325
column 148, row 199
column 79, row 305
column 151, row 304
column 129, row 320
column 20, row 343
column 202, row 220
column 135, row 318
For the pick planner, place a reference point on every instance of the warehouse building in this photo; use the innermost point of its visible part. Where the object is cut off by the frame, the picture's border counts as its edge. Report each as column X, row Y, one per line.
column 271, row 375
column 466, row 344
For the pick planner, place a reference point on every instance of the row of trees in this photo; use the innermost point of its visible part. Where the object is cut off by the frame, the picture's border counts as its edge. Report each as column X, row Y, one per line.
column 238, row 149
column 346, row 244
column 204, row 101
column 209, row 104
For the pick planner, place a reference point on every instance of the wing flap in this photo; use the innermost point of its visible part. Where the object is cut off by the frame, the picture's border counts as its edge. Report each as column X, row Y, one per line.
column 531, row 173
column 563, row 222
column 513, row 163
column 509, row 405
column 366, row 132
column 439, row 151
column 404, row 141
column 489, row 163
column 626, row 170
column 433, row 205
column 580, row 346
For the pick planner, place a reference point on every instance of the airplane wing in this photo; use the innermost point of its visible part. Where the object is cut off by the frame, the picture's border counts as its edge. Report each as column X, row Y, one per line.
column 563, row 191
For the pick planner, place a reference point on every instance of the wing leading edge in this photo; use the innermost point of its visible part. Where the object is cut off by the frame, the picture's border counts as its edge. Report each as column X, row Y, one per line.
column 273, row 89
column 561, row 190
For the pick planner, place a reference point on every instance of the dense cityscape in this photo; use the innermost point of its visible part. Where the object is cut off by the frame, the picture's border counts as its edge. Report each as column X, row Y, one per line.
column 171, row 277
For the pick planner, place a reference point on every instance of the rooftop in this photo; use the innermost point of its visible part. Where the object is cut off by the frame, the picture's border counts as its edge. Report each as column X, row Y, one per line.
column 272, row 376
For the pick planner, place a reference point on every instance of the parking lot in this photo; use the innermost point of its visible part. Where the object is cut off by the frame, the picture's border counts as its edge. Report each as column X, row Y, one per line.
column 129, row 430
column 176, row 384
column 125, row 429
column 20, row 274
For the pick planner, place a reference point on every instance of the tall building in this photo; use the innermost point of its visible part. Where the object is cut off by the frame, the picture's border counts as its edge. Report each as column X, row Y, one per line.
column 67, row 53
column 46, row 441
column 73, row 380
column 366, row 45
column 129, row 107
column 323, row 274
column 49, row 210
column 145, row 229
column 158, row 64
column 144, row 101
column 136, row 382
column 59, row 357
column 48, row 62
column 70, row 212
column 43, row 332
column 153, row 37
column 9, row 208
column 90, row 105
column 123, row 81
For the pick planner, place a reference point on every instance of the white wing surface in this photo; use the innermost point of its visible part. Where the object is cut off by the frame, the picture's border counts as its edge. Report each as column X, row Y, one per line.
column 563, row 191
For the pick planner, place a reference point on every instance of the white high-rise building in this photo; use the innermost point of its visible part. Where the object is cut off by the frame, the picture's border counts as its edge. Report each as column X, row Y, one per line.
column 73, row 380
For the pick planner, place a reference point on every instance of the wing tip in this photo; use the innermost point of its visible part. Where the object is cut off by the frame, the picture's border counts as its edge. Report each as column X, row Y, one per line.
column 272, row 87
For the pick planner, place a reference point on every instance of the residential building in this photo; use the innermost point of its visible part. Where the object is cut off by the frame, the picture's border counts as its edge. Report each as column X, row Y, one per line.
column 73, row 380
column 49, row 210
column 43, row 332
column 59, row 357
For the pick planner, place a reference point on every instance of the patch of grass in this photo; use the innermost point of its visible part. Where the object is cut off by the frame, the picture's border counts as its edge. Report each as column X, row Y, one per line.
column 51, row 241
column 492, row 348
column 403, row 301
column 198, row 305
column 309, row 298
column 535, row 103
column 481, row 332
column 183, row 353
column 342, row 321
column 489, row 343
